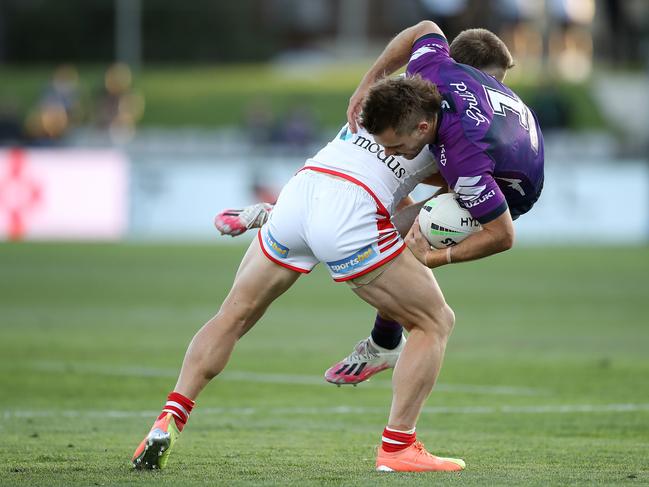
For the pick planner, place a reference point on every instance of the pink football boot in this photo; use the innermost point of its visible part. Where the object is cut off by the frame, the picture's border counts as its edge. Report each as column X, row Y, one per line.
column 367, row 359
column 235, row 222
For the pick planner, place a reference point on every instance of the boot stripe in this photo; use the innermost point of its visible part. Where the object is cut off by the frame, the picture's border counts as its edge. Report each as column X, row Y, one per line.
column 341, row 370
column 360, row 369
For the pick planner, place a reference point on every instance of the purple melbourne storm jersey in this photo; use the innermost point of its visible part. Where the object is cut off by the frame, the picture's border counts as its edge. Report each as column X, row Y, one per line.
column 489, row 145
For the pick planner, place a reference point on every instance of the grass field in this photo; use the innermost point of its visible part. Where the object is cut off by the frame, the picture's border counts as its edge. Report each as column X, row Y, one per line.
column 546, row 380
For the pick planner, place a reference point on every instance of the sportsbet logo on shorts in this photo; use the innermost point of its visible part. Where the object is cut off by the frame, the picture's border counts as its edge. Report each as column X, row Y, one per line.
column 277, row 248
column 353, row 262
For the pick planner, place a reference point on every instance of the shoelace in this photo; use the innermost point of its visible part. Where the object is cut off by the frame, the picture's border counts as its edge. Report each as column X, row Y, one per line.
column 421, row 449
column 364, row 351
column 251, row 214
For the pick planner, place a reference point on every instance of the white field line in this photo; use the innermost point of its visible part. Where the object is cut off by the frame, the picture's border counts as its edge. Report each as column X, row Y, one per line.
column 268, row 378
column 336, row 410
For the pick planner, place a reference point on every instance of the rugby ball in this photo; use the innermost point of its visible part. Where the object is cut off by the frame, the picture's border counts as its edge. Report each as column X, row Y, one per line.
column 445, row 223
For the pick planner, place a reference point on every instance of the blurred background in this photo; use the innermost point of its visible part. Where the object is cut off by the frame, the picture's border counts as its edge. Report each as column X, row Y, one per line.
column 141, row 119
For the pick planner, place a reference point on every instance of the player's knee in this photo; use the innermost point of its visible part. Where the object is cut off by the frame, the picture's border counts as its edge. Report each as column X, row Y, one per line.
column 444, row 321
column 439, row 322
column 238, row 317
column 449, row 318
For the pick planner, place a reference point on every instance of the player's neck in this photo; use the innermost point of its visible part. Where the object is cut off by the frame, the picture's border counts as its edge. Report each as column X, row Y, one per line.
column 431, row 137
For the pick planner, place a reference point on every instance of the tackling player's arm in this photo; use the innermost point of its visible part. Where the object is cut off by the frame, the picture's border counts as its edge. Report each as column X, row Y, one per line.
column 408, row 209
column 468, row 170
column 433, row 180
column 396, row 55
column 496, row 236
column 405, row 203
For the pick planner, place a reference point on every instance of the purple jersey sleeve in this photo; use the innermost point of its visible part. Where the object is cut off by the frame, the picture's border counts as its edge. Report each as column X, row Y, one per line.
column 428, row 51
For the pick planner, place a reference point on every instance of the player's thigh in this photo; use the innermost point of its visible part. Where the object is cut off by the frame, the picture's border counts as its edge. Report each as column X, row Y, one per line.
column 407, row 291
column 258, row 282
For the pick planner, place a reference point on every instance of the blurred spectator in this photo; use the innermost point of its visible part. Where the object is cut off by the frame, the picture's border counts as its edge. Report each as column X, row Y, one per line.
column 550, row 106
column 571, row 41
column 11, row 130
column 58, row 109
column 262, row 190
column 521, row 28
column 258, row 122
column 628, row 22
column 297, row 129
column 63, row 90
column 447, row 14
column 118, row 107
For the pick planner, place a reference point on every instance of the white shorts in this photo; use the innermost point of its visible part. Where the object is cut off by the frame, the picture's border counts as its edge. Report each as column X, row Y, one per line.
column 320, row 218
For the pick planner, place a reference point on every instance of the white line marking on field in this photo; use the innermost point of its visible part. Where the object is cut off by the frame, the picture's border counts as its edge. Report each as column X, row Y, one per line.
column 268, row 378
column 336, row 410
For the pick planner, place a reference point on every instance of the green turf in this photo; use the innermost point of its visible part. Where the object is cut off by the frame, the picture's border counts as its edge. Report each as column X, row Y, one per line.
column 86, row 329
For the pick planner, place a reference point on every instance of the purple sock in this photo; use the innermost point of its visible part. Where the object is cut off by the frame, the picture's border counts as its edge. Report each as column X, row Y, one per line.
column 386, row 333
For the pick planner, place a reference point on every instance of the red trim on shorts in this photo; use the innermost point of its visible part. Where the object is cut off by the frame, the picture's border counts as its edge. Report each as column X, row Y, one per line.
column 385, row 249
column 386, row 238
column 371, row 268
column 279, row 262
column 382, row 210
column 385, row 224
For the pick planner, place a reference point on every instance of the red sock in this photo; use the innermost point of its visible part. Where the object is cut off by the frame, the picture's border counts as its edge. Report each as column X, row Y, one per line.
column 395, row 440
column 180, row 406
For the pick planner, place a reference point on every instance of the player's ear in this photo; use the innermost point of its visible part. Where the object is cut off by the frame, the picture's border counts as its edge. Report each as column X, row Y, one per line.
column 423, row 126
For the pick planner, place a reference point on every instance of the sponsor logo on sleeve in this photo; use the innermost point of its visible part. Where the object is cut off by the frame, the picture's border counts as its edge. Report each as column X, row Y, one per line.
column 354, row 262
column 482, row 199
column 470, row 192
column 468, row 188
column 276, row 248
column 429, row 48
column 442, row 155
column 345, row 133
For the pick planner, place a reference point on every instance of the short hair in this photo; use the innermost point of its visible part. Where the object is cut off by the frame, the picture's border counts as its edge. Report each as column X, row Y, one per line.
column 400, row 104
column 481, row 49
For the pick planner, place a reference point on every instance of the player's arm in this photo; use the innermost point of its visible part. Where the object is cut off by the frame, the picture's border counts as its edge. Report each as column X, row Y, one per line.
column 395, row 56
column 405, row 216
column 496, row 236
column 436, row 179
column 405, row 203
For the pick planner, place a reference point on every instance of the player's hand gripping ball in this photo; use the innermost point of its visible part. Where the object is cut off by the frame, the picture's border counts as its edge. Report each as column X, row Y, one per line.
column 445, row 223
